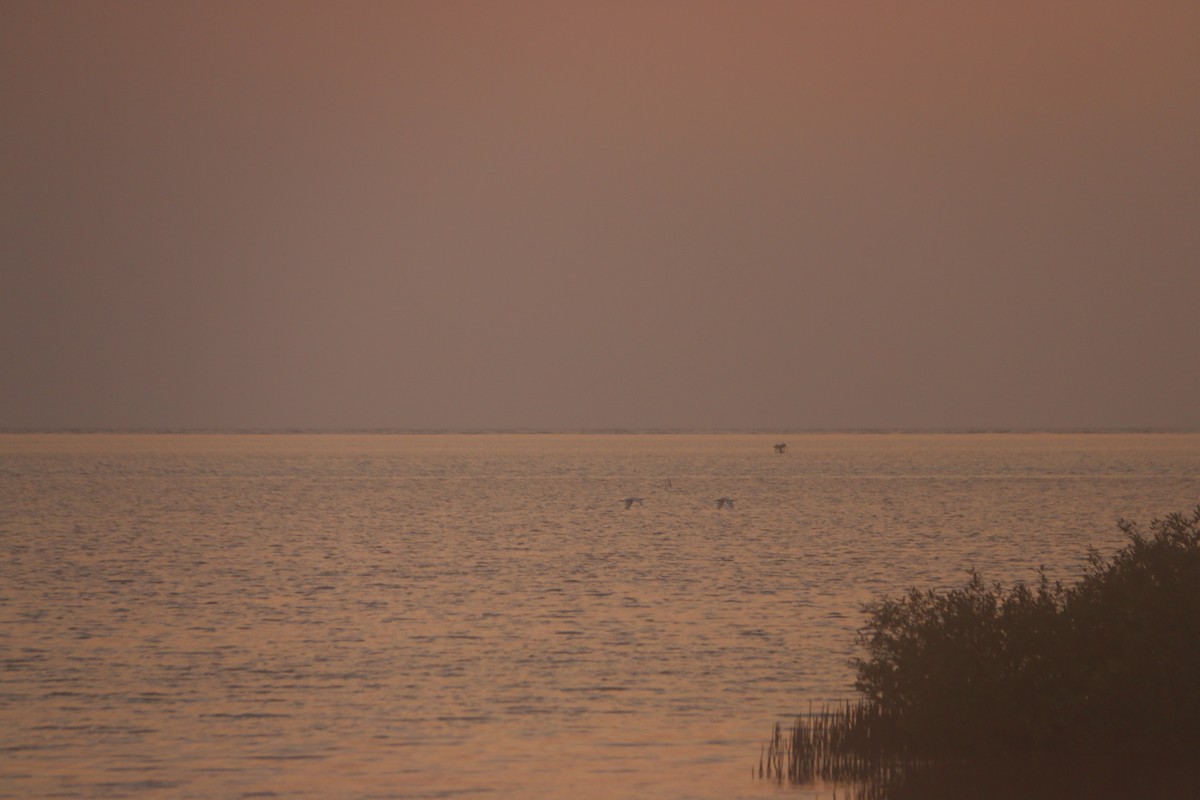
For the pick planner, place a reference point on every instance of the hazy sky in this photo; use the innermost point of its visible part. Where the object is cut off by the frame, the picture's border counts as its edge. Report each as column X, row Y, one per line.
column 597, row 215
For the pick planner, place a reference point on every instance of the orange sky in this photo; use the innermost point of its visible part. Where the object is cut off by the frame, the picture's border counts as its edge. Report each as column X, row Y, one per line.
column 565, row 215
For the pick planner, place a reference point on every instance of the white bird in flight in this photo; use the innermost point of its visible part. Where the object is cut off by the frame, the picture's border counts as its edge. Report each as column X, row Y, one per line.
column 629, row 501
column 724, row 501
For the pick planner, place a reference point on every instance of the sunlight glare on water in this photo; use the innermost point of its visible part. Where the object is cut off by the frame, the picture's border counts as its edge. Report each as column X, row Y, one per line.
column 479, row 615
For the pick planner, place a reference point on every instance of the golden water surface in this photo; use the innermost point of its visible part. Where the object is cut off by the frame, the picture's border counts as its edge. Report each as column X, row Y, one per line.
column 479, row 615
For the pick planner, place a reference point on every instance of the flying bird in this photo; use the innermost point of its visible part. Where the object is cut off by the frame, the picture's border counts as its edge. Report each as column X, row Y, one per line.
column 629, row 501
column 724, row 501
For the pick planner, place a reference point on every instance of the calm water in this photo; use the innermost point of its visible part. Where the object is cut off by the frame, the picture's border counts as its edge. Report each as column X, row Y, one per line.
column 479, row 616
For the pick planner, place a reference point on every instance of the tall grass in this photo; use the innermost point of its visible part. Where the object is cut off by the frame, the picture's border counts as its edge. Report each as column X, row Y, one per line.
column 840, row 743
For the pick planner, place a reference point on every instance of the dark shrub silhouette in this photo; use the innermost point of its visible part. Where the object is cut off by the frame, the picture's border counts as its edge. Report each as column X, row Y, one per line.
column 1104, row 671
column 1111, row 660
column 1134, row 634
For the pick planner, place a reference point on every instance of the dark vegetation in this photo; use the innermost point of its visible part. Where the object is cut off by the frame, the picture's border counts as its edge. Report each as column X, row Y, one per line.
column 1091, row 683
